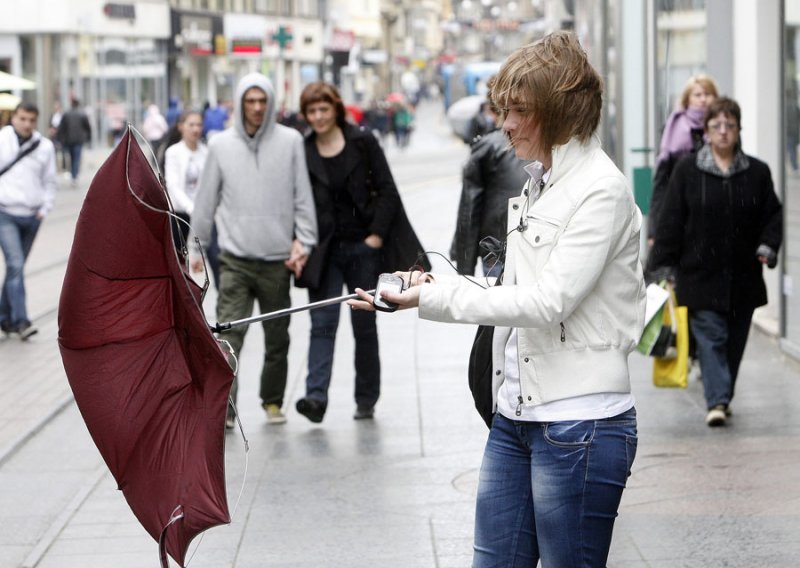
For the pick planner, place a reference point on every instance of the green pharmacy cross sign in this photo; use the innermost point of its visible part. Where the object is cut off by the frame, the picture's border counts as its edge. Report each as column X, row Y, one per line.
column 283, row 37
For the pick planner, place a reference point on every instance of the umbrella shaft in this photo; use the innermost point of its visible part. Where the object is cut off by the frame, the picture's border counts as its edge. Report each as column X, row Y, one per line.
column 220, row 327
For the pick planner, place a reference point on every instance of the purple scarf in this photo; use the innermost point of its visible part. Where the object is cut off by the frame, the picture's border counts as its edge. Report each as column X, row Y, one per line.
column 677, row 137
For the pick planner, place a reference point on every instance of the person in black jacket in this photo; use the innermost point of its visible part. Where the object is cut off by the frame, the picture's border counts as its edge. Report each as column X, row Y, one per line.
column 720, row 223
column 492, row 175
column 74, row 131
column 362, row 229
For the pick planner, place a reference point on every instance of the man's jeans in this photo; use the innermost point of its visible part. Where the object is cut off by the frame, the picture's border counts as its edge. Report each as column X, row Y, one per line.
column 16, row 239
column 720, row 340
column 356, row 265
column 75, row 151
column 242, row 281
column 551, row 490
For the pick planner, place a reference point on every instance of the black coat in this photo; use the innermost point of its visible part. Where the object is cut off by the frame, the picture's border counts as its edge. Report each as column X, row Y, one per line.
column 74, row 128
column 709, row 230
column 661, row 181
column 492, row 175
column 377, row 204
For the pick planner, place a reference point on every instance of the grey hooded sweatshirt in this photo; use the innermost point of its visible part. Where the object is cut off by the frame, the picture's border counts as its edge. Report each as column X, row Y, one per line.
column 256, row 187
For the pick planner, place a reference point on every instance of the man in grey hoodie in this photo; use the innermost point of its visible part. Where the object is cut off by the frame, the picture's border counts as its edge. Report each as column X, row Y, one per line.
column 255, row 183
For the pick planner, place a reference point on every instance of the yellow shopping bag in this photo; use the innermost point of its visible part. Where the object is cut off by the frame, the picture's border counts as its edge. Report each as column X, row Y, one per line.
column 674, row 371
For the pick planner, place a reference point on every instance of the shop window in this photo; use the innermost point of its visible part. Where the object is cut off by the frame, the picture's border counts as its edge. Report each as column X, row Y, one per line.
column 307, row 8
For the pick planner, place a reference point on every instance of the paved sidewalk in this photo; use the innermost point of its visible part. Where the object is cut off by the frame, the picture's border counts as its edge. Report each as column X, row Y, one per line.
column 33, row 386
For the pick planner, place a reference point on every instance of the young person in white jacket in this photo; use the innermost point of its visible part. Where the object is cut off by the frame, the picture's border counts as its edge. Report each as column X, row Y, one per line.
column 569, row 311
column 183, row 165
column 27, row 192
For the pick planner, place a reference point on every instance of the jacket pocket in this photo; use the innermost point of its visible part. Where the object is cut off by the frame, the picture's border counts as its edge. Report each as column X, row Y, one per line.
column 538, row 240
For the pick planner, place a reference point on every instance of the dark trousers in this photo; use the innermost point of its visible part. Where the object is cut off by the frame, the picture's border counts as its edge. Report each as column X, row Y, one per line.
column 75, row 151
column 242, row 282
column 720, row 339
column 353, row 264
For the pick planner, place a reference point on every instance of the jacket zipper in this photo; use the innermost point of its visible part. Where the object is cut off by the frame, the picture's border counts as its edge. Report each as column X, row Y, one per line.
column 518, row 412
column 563, row 333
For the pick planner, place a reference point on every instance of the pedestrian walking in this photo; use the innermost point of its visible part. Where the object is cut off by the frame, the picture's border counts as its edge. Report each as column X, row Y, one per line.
column 569, row 311
column 255, row 183
column 492, row 175
column 183, row 166
column 74, row 131
column 683, row 133
column 361, row 220
column 720, row 224
column 27, row 191
column 154, row 126
column 403, row 122
column 482, row 123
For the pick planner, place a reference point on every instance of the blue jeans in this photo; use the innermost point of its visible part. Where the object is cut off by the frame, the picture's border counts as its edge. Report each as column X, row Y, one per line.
column 74, row 159
column 16, row 240
column 720, row 339
column 354, row 264
column 551, row 490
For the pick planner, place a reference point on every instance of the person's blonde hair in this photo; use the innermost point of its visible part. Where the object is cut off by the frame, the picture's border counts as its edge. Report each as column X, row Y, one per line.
column 555, row 86
column 705, row 81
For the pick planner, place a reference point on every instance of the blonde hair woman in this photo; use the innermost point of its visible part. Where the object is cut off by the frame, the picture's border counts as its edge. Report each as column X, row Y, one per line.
column 683, row 133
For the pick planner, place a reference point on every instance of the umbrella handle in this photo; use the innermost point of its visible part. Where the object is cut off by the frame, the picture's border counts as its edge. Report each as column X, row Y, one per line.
column 221, row 327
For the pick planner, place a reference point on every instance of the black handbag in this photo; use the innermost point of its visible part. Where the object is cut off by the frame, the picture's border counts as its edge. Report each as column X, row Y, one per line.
column 479, row 372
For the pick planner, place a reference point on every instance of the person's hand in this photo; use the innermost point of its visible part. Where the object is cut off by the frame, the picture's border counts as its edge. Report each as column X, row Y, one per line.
column 297, row 258
column 374, row 241
column 196, row 264
column 408, row 298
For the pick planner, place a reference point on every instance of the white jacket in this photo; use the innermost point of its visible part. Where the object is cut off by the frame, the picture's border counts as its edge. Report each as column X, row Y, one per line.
column 579, row 298
column 28, row 188
column 176, row 161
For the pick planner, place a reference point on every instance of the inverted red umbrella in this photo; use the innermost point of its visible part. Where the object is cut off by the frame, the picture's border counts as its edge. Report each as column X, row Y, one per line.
column 149, row 378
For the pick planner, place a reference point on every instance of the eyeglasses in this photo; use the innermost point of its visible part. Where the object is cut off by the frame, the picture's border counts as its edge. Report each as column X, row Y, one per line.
column 717, row 126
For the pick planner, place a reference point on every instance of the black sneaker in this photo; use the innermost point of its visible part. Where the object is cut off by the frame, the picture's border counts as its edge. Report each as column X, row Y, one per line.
column 364, row 412
column 5, row 328
column 312, row 409
column 25, row 330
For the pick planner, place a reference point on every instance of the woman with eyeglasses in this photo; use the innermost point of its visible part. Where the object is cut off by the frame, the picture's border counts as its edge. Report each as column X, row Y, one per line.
column 683, row 134
column 721, row 223
column 569, row 311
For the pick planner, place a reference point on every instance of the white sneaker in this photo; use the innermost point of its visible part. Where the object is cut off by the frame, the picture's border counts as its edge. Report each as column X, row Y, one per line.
column 716, row 416
column 274, row 414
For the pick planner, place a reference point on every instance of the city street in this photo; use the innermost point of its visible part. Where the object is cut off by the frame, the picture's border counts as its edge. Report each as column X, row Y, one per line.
column 397, row 491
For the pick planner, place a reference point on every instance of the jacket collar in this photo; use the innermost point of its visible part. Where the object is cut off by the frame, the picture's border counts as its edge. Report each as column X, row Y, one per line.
column 705, row 162
column 569, row 155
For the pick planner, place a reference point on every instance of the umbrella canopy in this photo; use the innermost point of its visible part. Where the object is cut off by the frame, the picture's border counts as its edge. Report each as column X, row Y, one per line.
column 10, row 82
column 148, row 376
column 462, row 112
column 9, row 101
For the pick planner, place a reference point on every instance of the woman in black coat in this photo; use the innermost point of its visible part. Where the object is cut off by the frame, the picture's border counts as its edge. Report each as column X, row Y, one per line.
column 362, row 230
column 720, row 224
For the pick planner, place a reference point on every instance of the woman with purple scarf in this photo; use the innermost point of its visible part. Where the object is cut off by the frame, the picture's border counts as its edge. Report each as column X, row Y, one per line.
column 683, row 133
